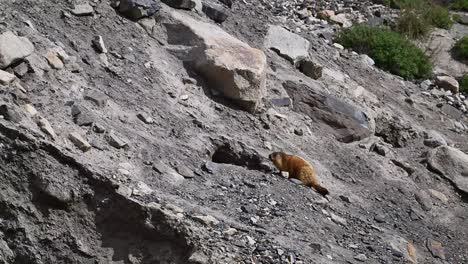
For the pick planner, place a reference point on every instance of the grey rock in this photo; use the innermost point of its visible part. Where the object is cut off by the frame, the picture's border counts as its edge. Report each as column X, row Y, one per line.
column 434, row 139
column 351, row 122
column 341, row 19
column 345, row 198
column 400, row 247
column 98, row 44
column 404, row 165
column 21, row 70
column 229, row 65
column 424, row 200
column 211, row 167
column 136, row 9
column 6, row 254
column 426, row 84
column 228, row 3
column 448, row 83
column 97, row 97
column 13, row 49
column 6, row 77
column 37, row 64
column 198, row 257
column 366, row 60
column 380, row 149
column 214, row 11
column 287, row 44
column 115, row 141
column 338, row 219
column 45, row 126
column 181, row 4
column 281, row 102
column 79, row 141
column 147, row 119
column 338, row 46
column 436, row 248
column 299, row 131
column 310, row 68
column 82, row 10
column 82, row 116
column 438, row 195
column 54, row 61
column 10, row 113
column 141, row 189
column 56, row 191
column 185, row 171
column 360, row 257
column 296, row 181
column 98, row 128
column 207, row 220
column 380, row 218
column 452, row 164
column 189, row 80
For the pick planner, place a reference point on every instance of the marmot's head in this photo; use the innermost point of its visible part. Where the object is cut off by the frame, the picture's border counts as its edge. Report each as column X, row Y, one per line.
column 277, row 158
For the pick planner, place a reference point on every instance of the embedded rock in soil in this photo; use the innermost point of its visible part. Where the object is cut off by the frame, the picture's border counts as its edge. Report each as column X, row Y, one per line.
column 136, row 9
column 451, row 163
column 287, row 44
column 346, row 122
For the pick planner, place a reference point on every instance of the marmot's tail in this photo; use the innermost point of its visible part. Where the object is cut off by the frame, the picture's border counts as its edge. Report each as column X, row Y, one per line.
column 320, row 189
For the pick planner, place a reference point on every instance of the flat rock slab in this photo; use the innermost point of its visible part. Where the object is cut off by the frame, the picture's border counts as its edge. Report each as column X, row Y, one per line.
column 229, row 65
column 347, row 122
column 13, row 48
column 452, row 164
column 287, row 44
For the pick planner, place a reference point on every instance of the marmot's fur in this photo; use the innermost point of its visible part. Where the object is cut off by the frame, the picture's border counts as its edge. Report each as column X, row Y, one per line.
column 299, row 169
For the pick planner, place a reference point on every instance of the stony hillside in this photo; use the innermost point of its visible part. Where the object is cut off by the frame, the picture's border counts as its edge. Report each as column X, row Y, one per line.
column 138, row 131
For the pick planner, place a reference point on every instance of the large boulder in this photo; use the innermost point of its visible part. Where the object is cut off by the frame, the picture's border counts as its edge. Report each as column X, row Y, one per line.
column 136, row 9
column 345, row 121
column 13, row 49
column 448, row 83
column 287, row 44
column 228, row 65
column 452, row 164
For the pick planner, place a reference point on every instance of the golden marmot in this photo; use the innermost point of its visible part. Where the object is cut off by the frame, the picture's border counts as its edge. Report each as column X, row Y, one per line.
column 297, row 168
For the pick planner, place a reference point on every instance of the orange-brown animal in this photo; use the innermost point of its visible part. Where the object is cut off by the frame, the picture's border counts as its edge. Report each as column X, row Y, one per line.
column 297, row 168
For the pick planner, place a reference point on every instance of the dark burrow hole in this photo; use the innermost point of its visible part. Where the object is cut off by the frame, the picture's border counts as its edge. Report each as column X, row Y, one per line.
column 227, row 154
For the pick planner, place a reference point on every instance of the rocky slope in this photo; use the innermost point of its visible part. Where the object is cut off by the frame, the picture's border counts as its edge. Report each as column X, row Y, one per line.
column 135, row 139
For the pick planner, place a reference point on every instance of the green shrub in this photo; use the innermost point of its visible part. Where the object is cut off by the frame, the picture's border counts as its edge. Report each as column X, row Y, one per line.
column 461, row 48
column 412, row 24
column 461, row 5
column 390, row 51
column 418, row 17
column 400, row 4
column 464, row 84
column 439, row 17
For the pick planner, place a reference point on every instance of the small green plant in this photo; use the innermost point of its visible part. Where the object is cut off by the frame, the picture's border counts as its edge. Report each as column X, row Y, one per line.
column 460, row 5
column 460, row 49
column 464, row 84
column 390, row 50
